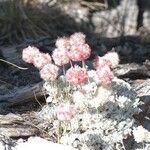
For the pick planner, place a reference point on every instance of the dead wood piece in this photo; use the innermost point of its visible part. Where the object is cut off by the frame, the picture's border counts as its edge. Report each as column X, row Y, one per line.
column 18, row 131
column 142, row 89
column 10, row 119
column 146, row 100
column 128, row 69
column 23, row 94
column 147, row 64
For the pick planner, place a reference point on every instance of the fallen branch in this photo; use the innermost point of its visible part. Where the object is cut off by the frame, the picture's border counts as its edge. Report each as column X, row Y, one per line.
column 128, row 70
column 21, row 95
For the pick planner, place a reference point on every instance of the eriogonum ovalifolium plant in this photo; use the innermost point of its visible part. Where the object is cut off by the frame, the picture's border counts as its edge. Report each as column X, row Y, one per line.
column 92, row 106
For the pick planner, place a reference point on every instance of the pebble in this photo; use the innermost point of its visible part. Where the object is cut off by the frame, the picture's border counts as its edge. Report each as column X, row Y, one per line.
column 38, row 143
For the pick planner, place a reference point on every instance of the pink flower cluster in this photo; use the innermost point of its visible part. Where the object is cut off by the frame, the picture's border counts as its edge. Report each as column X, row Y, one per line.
column 41, row 61
column 100, row 62
column 73, row 48
column 77, row 38
column 49, row 72
column 111, row 59
column 103, row 67
column 65, row 112
column 60, row 57
column 29, row 53
column 76, row 75
column 79, row 52
column 105, row 75
column 63, row 43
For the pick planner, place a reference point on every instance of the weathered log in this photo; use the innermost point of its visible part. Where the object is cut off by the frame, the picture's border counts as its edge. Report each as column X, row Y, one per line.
column 12, row 125
column 18, row 131
column 28, row 92
column 10, row 119
column 23, row 94
column 128, row 70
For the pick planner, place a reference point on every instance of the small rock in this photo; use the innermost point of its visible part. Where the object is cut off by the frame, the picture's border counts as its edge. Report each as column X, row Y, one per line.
column 2, row 146
column 38, row 143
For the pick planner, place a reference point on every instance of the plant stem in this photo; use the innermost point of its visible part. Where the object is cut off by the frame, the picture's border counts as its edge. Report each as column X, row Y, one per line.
column 64, row 71
column 71, row 63
column 58, row 135
column 83, row 64
column 65, row 82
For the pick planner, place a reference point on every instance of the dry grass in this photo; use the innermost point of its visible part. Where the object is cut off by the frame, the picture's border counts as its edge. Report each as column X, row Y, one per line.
column 20, row 20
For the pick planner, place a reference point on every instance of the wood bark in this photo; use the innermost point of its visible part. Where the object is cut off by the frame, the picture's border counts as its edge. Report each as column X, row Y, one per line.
column 23, row 94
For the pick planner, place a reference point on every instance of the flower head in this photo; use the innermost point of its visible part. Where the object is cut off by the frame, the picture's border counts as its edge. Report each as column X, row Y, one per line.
column 60, row 57
column 29, row 53
column 105, row 75
column 76, row 75
column 65, row 112
column 49, row 72
column 77, row 38
column 41, row 60
column 99, row 62
column 63, row 43
column 79, row 52
column 112, row 58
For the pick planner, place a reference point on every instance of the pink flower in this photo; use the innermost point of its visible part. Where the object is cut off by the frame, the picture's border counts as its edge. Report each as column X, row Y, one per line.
column 49, row 72
column 65, row 112
column 79, row 52
column 77, row 38
column 99, row 62
column 105, row 75
column 41, row 60
column 76, row 75
column 29, row 53
column 63, row 43
column 113, row 59
column 60, row 57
